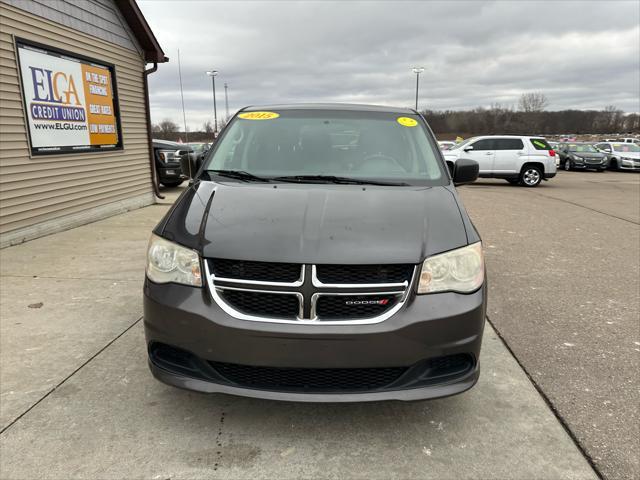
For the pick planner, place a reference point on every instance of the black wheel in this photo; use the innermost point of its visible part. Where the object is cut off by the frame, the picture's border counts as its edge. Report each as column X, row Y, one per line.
column 567, row 164
column 531, row 176
column 613, row 164
column 172, row 183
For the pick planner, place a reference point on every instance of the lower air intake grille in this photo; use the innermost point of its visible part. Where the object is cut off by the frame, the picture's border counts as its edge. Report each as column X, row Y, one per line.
column 272, row 305
column 309, row 379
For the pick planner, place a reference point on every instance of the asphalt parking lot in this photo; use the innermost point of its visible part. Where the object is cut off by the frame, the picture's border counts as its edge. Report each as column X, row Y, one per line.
column 564, row 275
column 77, row 400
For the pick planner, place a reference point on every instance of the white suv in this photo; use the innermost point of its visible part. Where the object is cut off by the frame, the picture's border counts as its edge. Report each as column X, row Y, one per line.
column 518, row 159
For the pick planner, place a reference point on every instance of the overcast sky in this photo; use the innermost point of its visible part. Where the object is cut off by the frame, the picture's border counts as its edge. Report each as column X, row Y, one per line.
column 580, row 54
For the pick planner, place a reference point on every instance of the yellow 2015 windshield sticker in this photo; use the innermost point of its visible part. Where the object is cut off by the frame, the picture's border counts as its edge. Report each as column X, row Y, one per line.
column 259, row 115
column 406, row 121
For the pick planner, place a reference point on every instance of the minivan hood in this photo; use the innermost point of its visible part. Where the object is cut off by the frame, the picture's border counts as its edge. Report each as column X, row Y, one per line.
column 339, row 224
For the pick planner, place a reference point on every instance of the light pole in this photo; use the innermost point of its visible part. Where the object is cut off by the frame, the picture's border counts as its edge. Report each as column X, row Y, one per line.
column 226, row 101
column 417, row 71
column 212, row 74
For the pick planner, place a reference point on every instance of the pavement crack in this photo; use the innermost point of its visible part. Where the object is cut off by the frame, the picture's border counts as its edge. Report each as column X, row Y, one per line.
column 583, row 206
column 49, row 277
column 218, row 460
column 551, row 406
column 63, row 381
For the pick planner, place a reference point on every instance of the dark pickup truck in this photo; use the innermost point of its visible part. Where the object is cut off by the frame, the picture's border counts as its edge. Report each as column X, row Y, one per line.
column 167, row 157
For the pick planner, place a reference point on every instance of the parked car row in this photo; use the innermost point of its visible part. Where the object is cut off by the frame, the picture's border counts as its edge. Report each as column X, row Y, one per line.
column 599, row 156
column 623, row 140
column 527, row 160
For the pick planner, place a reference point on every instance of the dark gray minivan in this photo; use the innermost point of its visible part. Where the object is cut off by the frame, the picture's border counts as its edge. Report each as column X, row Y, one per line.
column 321, row 253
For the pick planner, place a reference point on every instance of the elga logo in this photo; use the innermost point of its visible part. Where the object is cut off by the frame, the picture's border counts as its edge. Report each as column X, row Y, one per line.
column 55, row 88
column 384, row 301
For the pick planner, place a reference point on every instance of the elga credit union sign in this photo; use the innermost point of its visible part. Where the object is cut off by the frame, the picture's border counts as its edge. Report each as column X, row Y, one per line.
column 70, row 101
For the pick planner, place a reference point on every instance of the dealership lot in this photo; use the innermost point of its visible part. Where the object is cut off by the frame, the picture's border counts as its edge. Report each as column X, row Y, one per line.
column 78, row 401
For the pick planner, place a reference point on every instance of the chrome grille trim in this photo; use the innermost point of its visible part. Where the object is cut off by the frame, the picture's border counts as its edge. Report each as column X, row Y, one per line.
column 353, row 290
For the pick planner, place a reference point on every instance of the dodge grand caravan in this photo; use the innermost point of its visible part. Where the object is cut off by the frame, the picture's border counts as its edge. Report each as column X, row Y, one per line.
column 320, row 253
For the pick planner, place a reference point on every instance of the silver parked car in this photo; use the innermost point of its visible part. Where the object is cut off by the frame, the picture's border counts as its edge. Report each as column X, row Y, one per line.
column 622, row 156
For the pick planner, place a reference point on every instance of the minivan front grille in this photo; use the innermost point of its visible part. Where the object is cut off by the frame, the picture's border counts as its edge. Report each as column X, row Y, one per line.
column 354, row 274
column 255, row 271
column 292, row 293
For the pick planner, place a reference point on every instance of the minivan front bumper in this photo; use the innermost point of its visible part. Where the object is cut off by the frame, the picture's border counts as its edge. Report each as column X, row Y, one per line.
column 204, row 342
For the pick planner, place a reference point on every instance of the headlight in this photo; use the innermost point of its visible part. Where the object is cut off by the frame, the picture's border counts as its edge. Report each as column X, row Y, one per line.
column 167, row 155
column 460, row 270
column 169, row 262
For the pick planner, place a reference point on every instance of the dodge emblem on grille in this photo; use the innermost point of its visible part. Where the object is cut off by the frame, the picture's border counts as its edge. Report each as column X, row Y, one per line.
column 384, row 301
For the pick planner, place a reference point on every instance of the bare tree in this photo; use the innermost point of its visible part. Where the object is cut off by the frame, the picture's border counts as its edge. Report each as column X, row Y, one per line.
column 532, row 102
column 168, row 127
column 207, row 127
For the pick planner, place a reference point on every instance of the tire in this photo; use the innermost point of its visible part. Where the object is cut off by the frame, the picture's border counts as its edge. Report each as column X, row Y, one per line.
column 170, row 184
column 530, row 176
column 567, row 164
column 613, row 164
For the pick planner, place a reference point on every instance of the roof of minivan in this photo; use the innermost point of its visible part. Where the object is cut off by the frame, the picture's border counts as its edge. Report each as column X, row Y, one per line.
column 330, row 106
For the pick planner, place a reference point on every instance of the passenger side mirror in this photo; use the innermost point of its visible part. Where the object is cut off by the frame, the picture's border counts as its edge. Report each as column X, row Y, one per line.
column 468, row 148
column 465, row 171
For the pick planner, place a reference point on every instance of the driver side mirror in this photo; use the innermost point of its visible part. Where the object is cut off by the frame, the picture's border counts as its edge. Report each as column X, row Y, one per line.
column 190, row 165
column 465, row 171
column 468, row 148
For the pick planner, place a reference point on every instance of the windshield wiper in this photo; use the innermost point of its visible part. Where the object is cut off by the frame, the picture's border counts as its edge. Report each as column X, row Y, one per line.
column 334, row 179
column 240, row 175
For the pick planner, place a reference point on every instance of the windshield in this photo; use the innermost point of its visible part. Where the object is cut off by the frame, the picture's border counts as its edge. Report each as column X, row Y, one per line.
column 362, row 145
column 572, row 147
column 198, row 147
column 625, row 147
